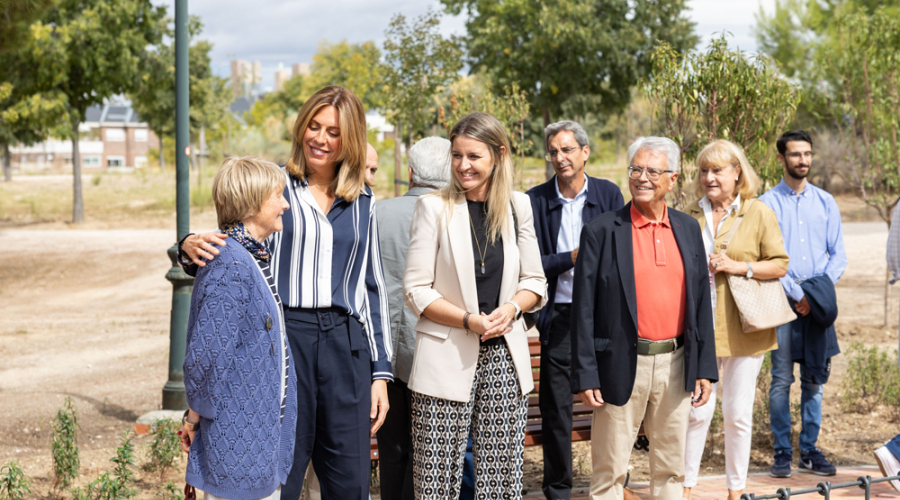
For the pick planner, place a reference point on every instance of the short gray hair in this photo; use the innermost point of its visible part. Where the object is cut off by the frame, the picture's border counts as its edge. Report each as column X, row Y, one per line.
column 429, row 160
column 658, row 145
column 566, row 125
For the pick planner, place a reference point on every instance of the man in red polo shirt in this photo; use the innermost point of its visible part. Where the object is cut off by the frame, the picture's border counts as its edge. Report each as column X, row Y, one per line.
column 642, row 328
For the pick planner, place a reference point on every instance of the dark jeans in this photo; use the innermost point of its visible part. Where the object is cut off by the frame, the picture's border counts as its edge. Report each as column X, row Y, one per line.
column 395, row 450
column 334, row 396
column 556, row 406
column 395, row 446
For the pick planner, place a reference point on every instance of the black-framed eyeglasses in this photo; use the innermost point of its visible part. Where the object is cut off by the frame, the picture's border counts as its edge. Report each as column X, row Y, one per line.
column 652, row 173
column 797, row 155
column 553, row 154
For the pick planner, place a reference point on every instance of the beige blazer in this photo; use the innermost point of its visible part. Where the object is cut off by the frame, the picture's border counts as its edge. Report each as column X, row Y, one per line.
column 441, row 264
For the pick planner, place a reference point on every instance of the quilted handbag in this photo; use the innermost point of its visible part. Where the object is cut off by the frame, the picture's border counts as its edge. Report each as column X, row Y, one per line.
column 762, row 303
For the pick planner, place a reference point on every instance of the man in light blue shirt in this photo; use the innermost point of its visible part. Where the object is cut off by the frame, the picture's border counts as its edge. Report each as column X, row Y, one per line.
column 811, row 226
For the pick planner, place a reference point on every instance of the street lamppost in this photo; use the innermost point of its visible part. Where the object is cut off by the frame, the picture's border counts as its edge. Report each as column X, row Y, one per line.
column 182, row 283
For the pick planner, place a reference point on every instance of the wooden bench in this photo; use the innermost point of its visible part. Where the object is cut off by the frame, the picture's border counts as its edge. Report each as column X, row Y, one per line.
column 581, row 419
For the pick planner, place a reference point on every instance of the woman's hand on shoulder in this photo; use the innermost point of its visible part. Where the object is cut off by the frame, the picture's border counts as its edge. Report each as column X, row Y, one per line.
column 200, row 246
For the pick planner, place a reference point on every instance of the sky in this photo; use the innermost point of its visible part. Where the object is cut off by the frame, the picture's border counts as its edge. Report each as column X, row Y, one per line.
column 289, row 31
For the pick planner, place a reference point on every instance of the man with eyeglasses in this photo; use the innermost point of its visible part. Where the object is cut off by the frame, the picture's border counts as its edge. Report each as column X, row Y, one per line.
column 642, row 327
column 561, row 207
column 810, row 223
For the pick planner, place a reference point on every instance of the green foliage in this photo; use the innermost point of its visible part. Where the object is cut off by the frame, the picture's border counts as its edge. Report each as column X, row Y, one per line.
column 170, row 491
column 115, row 485
column 64, row 446
column 570, row 56
column 165, row 447
column 511, row 110
column 355, row 66
column 721, row 94
column 14, row 484
column 862, row 56
column 17, row 16
column 153, row 97
column 871, row 379
column 124, row 459
column 283, row 106
column 420, row 63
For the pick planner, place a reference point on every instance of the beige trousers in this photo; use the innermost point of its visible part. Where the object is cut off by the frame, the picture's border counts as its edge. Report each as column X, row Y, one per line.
column 659, row 399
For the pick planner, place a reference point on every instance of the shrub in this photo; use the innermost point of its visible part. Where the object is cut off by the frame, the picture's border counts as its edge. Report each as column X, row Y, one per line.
column 871, row 379
column 64, row 446
column 14, row 484
column 165, row 448
column 170, row 491
column 115, row 485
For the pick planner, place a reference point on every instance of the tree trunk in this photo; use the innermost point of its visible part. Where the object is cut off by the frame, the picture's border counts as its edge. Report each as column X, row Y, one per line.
column 548, row 167
column 201, row 154
column 887, row 299
column 398, row 160
column 162, row 154
column 77, row 200
column 7, row 164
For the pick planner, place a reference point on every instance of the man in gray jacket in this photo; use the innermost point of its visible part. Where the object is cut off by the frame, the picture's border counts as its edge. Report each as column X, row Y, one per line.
column 429, row 169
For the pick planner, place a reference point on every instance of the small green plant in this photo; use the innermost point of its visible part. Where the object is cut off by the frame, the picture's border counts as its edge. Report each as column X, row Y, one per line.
column 170, row 491
column 14, row 484
column 124, row 459
column 113, row 485
column 871, row 379
column 165, row 448
column 95, row 180
column 64, row 446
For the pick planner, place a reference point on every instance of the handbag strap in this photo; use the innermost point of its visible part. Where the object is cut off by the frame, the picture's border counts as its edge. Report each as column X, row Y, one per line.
column 735, row 226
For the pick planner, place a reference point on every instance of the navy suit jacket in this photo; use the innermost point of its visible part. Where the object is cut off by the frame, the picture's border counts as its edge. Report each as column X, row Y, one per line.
column 604, row 307
column 602, row 196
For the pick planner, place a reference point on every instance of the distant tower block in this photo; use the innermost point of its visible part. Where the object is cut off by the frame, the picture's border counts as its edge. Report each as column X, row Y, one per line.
column 241, row 78
column 300, row 69
column 282, row 75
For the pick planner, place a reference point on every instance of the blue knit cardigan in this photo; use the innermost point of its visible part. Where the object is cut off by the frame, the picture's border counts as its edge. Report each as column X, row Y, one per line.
column 232, row 368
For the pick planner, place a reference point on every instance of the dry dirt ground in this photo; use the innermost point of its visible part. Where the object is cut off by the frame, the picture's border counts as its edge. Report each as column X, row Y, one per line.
column 85, row 314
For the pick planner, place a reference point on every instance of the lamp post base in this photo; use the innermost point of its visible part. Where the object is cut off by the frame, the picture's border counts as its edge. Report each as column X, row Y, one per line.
column 182, row 284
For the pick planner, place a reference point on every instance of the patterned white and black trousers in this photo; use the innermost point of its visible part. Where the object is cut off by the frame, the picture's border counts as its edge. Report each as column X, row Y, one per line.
column 497, row 412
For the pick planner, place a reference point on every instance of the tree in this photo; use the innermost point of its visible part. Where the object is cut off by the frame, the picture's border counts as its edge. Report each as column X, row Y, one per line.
column 721, row 94
column 573, row 56
column 16, row 17
column 90, row 50
column 355, row 66
column 154, row 95
column 419, row 64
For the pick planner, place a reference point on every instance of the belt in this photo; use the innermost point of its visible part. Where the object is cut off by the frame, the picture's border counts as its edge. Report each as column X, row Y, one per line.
column 326, row 317
column 651, row 348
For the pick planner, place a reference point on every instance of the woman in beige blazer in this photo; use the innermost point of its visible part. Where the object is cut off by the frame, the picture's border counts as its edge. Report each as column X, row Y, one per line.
column 473, row 267
column 727, row 186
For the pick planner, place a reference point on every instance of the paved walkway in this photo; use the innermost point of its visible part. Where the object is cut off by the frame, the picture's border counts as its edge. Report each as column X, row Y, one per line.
column 713, row 487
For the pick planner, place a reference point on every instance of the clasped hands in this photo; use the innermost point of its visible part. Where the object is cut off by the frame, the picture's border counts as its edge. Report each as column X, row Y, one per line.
column 495, row 324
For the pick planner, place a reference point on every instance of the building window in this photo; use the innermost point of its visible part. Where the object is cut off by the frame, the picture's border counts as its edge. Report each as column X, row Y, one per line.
column 140, row 161
column 140, row 135
column 115, row 161
column 115, row 134
column 89, row 161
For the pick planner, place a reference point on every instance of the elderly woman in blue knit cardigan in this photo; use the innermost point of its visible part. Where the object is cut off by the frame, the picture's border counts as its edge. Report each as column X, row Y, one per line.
column 238, row 375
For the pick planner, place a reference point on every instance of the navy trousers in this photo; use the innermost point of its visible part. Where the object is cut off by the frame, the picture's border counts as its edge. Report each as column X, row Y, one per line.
column 334, row 380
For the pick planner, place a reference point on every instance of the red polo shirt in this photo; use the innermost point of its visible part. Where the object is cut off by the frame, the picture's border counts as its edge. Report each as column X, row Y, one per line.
column 658, row 278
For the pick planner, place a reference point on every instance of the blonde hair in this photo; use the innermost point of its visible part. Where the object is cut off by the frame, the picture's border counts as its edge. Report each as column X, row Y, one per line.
column 722, row 153
column 486, row 129
column 350, row 178
column 241, row 186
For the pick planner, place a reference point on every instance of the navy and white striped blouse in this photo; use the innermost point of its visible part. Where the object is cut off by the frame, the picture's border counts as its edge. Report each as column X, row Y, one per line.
column 334, row 260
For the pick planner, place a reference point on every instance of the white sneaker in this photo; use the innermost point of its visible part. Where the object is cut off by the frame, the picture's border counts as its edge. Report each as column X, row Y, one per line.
column 888, row 464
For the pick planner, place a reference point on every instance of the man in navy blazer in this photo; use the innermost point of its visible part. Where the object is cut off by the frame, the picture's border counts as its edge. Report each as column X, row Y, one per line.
column 642, row 326
column 561, row 207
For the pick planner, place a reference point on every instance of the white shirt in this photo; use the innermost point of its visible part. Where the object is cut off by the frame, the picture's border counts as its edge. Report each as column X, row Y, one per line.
column 569, row 236
column 709, row 238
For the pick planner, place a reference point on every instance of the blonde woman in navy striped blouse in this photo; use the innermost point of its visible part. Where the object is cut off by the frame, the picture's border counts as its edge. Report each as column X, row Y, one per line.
column 327, row 267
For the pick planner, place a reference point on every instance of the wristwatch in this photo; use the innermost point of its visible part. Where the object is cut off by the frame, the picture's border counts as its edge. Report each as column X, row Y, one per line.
column 749, row 270
column 518, row 309
column 189, row 426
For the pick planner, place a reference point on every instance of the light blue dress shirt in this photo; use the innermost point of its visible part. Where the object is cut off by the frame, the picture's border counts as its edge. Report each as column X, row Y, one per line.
column 811, row 227
column 569, row 236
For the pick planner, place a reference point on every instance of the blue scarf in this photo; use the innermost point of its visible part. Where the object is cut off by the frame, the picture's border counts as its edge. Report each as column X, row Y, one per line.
column 239, row 234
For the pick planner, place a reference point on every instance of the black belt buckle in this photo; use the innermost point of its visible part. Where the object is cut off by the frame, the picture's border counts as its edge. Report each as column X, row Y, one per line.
column 326, row 320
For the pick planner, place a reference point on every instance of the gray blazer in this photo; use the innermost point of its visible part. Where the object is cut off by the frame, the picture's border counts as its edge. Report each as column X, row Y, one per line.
column 394, row 217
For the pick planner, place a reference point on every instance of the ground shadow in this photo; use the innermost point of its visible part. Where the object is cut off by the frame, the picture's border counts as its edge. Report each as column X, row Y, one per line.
column 107, row 409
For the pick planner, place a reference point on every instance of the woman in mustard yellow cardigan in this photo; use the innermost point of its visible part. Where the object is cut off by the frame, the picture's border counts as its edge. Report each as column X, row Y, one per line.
column 728, row 185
